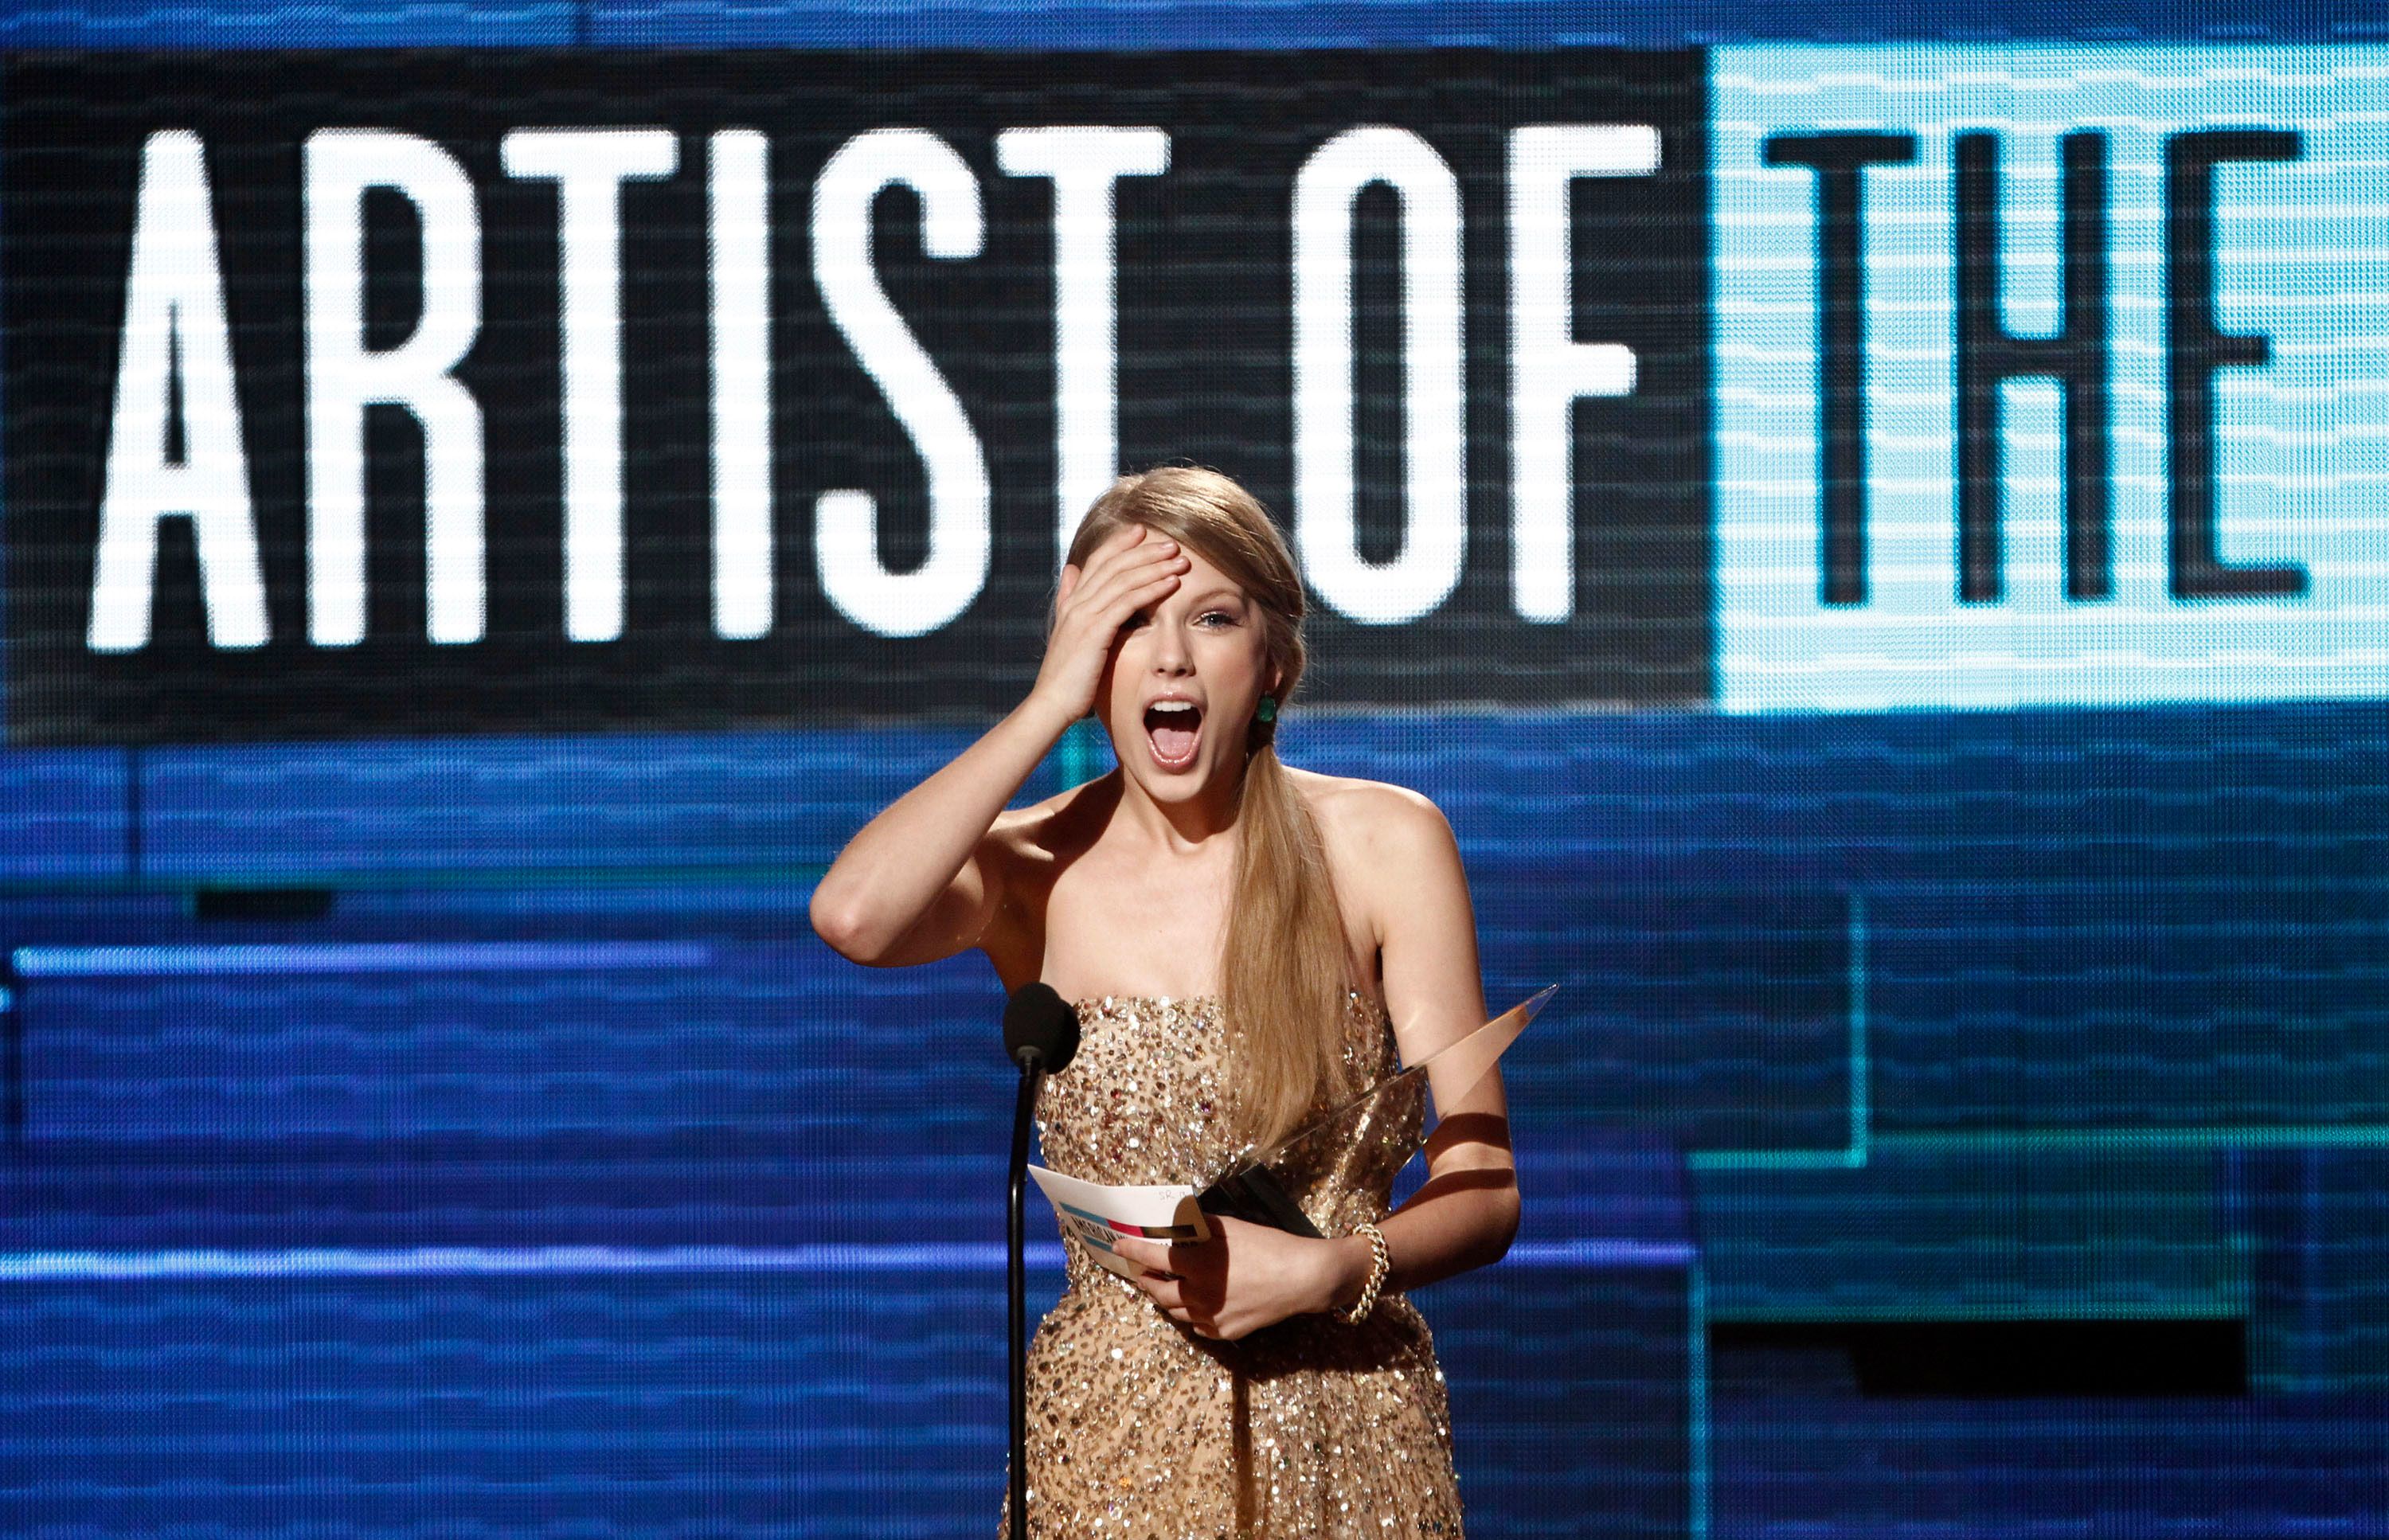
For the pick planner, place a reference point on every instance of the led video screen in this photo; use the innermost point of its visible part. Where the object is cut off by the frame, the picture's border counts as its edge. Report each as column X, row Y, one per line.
column 501, row 390
column 1872, row 529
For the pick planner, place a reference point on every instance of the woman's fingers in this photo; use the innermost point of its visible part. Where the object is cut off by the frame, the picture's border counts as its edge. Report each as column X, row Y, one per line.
column 1132, row 570
column 1184, row 1313
column 1106, row 604
column 1144, row 547
column 1167, row 1290
column 1124, row 606
column 1147, row 1256
column 1152, row 1262
column 1103, row 588
column 1103, row 557
column 1119, row 539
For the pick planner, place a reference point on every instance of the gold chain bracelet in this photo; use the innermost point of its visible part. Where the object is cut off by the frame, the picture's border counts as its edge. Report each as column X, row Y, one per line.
column 1379, row 1265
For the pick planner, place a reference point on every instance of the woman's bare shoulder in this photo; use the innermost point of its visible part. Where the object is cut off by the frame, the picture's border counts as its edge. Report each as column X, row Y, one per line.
column 1062, row 824
column 1389, row 849
column 1369, row 817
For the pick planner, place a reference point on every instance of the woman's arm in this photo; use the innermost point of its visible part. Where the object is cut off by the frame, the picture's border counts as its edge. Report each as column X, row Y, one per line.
column 920, row 882
column 1396, row 857
column 1466, row 1213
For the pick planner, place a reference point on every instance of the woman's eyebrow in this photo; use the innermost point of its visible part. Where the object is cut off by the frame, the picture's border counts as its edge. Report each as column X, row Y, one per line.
column 1215, row 595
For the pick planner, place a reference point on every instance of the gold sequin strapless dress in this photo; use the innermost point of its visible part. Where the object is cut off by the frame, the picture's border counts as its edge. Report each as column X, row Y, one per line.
column 1137, row 1427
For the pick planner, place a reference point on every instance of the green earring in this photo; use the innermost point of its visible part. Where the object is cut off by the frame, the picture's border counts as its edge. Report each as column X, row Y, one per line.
column 1267, row 713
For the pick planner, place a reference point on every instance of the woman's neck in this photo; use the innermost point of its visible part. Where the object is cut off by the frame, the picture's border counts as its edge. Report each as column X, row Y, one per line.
column 1178, row 827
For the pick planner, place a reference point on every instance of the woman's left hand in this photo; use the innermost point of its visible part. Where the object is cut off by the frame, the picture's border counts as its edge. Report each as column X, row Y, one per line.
column 1244, row 1278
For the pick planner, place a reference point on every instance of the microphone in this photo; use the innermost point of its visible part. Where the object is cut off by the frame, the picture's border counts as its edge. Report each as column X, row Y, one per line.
column 1040, row 1032
column 1038, row 1022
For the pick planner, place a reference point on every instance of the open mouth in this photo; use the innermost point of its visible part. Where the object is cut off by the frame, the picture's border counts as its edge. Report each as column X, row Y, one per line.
column 1173, row 728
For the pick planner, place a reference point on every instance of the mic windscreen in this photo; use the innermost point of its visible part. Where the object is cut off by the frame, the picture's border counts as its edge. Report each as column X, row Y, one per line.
column 1038, row 1018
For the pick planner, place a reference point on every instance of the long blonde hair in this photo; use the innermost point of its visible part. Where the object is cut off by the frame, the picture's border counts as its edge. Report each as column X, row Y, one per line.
column 1283, row 965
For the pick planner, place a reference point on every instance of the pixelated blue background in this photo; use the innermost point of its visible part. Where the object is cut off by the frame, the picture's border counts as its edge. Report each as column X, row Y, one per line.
column 468, row 1138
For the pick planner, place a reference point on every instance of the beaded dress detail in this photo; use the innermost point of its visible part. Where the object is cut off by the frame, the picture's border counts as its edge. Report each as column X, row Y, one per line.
column 1141, row 1429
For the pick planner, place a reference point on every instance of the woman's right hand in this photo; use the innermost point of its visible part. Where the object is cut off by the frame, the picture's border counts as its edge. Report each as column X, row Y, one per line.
column 1132, row 569
column 915, row 884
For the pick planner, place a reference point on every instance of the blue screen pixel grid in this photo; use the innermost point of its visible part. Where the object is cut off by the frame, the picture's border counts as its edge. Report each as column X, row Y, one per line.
column 466, row 1136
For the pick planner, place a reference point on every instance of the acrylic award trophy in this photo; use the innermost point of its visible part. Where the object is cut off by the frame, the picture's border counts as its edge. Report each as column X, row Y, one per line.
column 1253, row 1188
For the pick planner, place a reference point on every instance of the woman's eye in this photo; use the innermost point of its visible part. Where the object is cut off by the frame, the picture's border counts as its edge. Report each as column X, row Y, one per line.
column 1214, row 618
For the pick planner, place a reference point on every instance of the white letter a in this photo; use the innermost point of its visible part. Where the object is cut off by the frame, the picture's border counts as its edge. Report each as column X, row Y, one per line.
column 174, row 326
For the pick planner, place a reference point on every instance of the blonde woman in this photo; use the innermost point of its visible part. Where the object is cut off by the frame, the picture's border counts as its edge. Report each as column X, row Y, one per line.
column 1243, row 943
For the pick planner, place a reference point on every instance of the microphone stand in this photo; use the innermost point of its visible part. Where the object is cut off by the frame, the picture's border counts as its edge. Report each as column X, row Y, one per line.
column 1032, row 1076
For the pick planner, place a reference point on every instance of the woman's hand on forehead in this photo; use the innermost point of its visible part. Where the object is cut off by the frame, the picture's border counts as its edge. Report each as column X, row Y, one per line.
column 1128, row 572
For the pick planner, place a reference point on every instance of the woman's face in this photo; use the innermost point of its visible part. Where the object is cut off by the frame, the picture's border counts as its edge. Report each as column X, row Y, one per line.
column 1184, row 679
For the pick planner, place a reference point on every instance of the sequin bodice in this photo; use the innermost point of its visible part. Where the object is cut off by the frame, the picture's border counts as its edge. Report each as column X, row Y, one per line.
column 1141, row 1428
column 1144, row 1102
